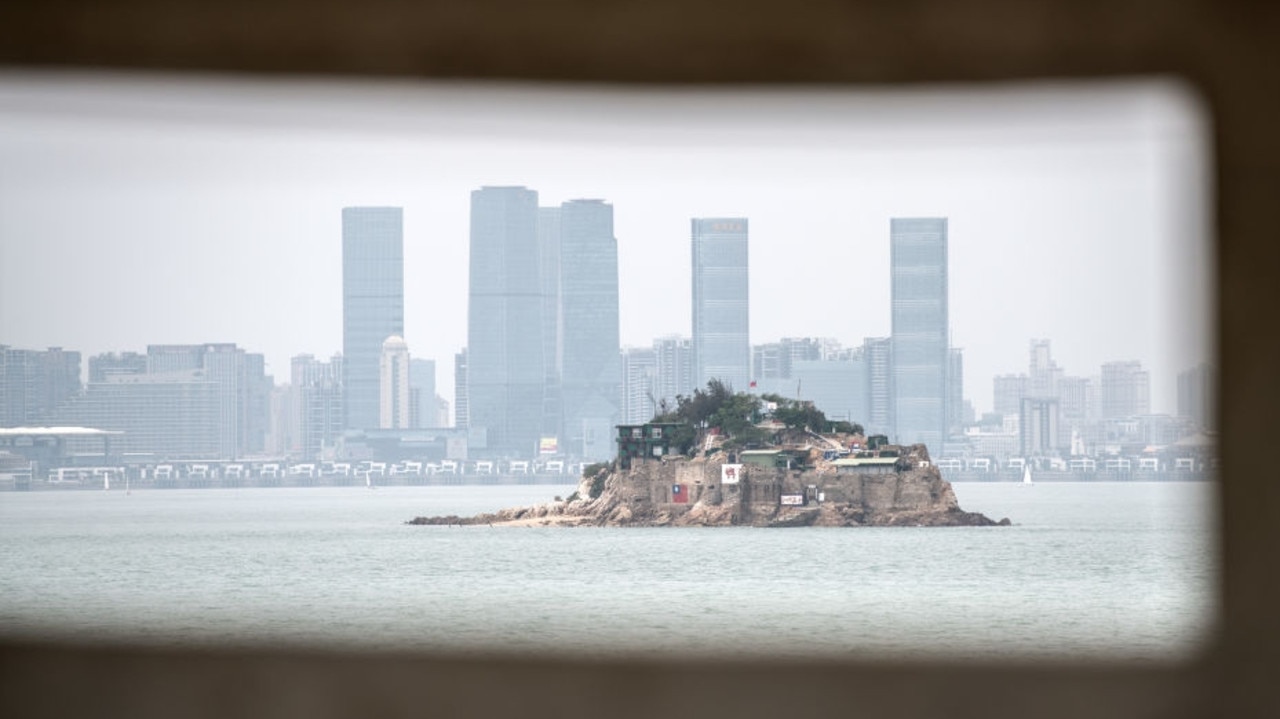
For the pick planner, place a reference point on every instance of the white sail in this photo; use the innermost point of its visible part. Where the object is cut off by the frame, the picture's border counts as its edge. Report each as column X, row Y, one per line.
column 1026, row 474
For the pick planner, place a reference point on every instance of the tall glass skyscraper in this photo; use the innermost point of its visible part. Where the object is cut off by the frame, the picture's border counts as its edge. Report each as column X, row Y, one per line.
column 721, row 348
column 549, row 251
column 372, row 304
column 590, row 367
column 506, row 368
column 918, row 262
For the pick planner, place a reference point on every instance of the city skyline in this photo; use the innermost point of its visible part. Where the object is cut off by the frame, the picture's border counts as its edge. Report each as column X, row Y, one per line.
column 1087, row 227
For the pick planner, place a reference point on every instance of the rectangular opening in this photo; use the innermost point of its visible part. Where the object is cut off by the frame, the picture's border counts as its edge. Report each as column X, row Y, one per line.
column 144, row 210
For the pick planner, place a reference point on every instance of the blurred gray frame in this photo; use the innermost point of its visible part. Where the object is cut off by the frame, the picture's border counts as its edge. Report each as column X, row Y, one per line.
column 1225, row 50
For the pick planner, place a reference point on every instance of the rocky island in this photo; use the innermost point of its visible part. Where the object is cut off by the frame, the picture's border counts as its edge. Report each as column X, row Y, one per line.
column 891, row 486
column 757, row 461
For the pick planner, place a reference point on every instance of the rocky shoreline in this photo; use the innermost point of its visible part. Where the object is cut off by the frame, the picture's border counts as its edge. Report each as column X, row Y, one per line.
column 902, row 490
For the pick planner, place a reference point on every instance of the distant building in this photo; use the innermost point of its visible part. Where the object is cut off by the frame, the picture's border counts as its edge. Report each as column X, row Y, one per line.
column 1007, row 392
column 506, row 366
column 775, row 360
column 426, row 403
column 35, row 384
column 110, row 364
column 1197, row 396
column 955, row 392
column 243, row 389
column 639, row 375
column 721, row 347
column 372, row 304
column 590, row 369
column 176, row 414
column 674, row 375
column 461, row 407
column 918, row 264
column 1038, row 428
column 549, row 254
column 393, row 376
column 1043, row 374
column 837, row 387
column 318, row 397
column 877, row 353
column 1126, row 390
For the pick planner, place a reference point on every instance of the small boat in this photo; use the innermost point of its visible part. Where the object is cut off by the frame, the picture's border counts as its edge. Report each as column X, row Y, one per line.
column 1026, row 474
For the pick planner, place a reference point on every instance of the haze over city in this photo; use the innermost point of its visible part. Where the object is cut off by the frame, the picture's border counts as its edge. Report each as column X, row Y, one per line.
column 136, row 211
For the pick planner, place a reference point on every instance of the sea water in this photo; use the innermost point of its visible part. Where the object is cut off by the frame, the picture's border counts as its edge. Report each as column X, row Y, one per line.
column 1121, row 570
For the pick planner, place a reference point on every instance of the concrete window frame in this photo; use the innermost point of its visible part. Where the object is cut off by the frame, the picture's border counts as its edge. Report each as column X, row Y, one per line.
column 1225, row 51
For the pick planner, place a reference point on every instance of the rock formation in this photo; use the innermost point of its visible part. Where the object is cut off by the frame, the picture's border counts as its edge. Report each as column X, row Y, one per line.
column 893, row 487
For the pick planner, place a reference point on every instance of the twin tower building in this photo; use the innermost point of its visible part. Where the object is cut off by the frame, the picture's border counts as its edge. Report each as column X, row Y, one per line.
column 542, row 368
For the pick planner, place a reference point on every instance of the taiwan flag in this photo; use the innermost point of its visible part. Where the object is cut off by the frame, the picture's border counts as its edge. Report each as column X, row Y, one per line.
column 679, row 495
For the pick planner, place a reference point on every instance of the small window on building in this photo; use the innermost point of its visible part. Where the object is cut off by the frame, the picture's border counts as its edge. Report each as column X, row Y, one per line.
column 657, row 433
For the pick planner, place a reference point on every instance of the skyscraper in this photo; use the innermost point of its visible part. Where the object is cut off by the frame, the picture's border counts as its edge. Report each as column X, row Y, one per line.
column 243, row 389
column 372, row 303
column 721, row 347
column 461, row 407
column 1125, row 390
column 394, row 410
column 317, row 393
column 549, row 254
column 878, row 353
column 674, row 373
column 1197, row 395
column 590, row 367
column 422, row 380
column 34, row 384
column 506, row 367
column 918, row 261
column 639, row 375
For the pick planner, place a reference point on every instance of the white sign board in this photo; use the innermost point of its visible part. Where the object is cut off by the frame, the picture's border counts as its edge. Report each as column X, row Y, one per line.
column 794, row 500
column 730, row 473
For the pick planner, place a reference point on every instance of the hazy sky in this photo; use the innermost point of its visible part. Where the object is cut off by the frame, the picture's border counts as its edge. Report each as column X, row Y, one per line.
column 165, row 209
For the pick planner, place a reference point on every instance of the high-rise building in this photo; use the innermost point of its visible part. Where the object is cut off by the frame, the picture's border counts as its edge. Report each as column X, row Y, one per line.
column 1043, row 373
column 721, row 346
column 506, row 366
column 639, row 375
column 1039, row 435
column 35, row 384
column 372, row 304
column 1125, row 390
column 317, row 393
column 674, row 374
column 877, row 352
column 590, row 369
column 393, row 380
column 1197, row 396
column 243, row 389
column 422, row 381
column 774, row 360
column 918, row 261
column 177, row 414
column 111, row 364
column 837, row 387
column 461, row 407
column 955, row 392
column 1007, row 393
column 552, row 319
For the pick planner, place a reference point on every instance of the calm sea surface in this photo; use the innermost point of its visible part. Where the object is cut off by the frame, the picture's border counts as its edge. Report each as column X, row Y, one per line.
column 1123, row 570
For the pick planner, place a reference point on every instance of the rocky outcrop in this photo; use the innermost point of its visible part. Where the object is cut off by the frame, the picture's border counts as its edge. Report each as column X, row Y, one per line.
column 906, row 490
